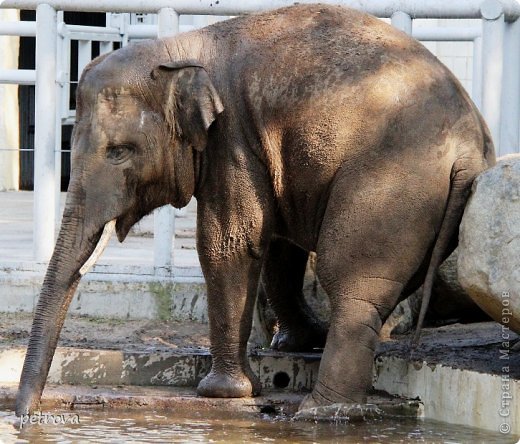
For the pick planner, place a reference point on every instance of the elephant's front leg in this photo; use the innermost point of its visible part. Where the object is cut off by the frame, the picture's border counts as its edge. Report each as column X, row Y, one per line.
column 231, row 259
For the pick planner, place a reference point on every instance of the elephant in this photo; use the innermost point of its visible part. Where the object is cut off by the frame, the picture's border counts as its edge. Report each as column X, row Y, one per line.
column 307, row 128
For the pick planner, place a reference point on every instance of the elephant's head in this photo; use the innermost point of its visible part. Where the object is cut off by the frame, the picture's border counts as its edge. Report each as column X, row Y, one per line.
column 141, row 126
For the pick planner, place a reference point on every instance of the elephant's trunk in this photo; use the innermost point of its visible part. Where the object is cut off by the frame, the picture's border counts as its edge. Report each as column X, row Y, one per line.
column 74, row 246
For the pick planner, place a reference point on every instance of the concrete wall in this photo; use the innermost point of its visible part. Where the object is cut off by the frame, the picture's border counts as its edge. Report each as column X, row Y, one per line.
column 9, row 124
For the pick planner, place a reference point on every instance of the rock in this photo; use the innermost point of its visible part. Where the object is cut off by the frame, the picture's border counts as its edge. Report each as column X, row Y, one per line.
column 404, row 317
column 264, row 322
column 450, row 301
column 314, row 294
column 489, row 243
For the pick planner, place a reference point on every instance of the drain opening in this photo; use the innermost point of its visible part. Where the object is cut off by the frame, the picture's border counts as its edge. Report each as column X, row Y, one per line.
column 281, row 380
column 268, row 410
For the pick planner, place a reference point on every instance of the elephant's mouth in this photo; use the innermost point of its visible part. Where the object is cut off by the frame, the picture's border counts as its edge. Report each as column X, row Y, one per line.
column 108, row 230
column 121, row 225
column 124, row 223
column 127, row 219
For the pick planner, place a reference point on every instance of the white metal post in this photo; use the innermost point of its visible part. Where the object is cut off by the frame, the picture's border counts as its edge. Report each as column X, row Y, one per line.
column 168, row 22
column 84, row 55
column 493, row 31
column 509, row 131
column 105, row 47
column 402, row 21
column 60, row 59
column 45, row 133
column 164, row 217
column 476, row 93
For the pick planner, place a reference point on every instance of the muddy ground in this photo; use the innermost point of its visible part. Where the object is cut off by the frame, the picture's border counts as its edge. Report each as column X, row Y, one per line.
column 480, row 346
column 471, row 346
column 112, row 334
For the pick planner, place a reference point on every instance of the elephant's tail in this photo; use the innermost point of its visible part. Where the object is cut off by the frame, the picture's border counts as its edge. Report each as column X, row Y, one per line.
column 463, row 174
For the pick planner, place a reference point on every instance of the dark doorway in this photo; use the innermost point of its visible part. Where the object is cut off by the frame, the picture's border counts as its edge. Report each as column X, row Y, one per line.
column 26, row 98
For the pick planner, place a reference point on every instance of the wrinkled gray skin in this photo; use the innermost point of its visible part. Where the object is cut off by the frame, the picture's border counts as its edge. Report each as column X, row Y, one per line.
column 311, row 128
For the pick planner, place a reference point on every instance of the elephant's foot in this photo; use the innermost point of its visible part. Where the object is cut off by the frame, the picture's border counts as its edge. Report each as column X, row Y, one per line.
column 303, row 339
column 323, row 396
column 347, row 412
column 325, row 404
column 225, row 385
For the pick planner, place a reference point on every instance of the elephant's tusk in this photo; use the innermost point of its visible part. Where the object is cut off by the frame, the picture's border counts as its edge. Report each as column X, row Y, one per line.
column 108, row 230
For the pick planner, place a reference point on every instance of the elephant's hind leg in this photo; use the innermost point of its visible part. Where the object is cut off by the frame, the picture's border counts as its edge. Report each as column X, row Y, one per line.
column 358, row 309
column 368, row 251
column 282, row 281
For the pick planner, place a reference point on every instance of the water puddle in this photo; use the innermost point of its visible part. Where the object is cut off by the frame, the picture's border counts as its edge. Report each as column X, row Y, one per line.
column 156, row 426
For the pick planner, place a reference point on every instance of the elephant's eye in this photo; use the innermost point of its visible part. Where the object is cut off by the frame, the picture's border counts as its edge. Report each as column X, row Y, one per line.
column 119, row 153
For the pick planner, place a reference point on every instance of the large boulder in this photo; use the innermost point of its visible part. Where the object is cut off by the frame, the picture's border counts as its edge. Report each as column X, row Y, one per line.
column 489, row 243
column 450, row 302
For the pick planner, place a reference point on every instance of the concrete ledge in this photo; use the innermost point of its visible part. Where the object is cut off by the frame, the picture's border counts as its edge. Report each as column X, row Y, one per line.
column 123, row 296
column 186, row 400
column 179, row 368
column 453, row 395
column 448, row 394
column 172, row 398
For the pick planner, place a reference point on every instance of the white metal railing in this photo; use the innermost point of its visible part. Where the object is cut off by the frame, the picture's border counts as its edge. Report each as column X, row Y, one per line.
column 495, row 90
column 380, row 8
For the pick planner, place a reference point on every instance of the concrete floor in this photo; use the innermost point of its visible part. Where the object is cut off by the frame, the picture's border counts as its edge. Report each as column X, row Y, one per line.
column 16, row 227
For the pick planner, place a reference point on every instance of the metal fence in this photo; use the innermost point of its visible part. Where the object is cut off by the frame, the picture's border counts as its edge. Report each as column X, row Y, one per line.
column 496, row 84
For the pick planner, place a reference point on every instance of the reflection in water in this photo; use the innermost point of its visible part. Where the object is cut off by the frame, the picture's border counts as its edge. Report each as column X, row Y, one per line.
column 165, row 426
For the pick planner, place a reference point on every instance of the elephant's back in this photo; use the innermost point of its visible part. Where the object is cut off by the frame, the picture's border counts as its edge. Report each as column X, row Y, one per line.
column 307, row 43
column 284, row 59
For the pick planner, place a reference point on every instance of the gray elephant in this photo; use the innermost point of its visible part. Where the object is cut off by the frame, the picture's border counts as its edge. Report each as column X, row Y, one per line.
column 309, row 128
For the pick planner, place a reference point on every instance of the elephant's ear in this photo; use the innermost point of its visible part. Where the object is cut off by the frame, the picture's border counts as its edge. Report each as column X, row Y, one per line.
column 192, row 104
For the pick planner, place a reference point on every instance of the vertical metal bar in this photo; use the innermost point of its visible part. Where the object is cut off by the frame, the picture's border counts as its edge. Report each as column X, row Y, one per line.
column 493, row 31
column 60, row 60
column 105, row 47
column 123, row 28
column 84, row 55
column 45, row 133
column 168, row 23
column 509, row 130
column 64, row 77
column 477, row 73
column 402, row 21
column 164, row 217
